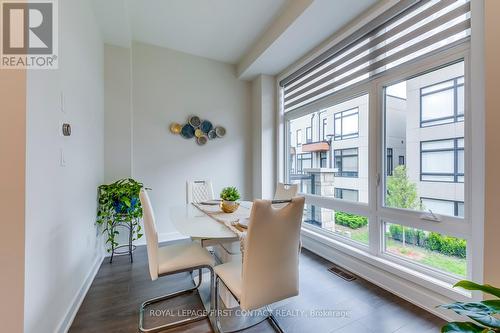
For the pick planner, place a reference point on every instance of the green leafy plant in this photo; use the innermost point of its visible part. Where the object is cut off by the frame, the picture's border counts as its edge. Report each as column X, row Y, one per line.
column 484, row 313
column 350, row 220
column 119, row 203
column 401, row 191
column 229, row 194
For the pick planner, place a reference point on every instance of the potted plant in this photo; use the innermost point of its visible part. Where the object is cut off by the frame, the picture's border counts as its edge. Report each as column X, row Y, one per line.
column 119, row 204
column 484, row 314
column 229, row 195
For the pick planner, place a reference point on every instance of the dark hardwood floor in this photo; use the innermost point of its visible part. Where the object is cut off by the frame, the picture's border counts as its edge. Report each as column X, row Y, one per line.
column 113, row 300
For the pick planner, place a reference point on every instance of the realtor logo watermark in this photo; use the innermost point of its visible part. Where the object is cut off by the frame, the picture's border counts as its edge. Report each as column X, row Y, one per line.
column 29, row 36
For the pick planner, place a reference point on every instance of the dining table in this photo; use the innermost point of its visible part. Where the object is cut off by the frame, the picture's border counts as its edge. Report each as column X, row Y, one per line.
column 208, row 224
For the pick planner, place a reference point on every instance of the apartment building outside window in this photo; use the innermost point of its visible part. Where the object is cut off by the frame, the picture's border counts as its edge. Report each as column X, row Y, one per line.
column 379, row 105
column 304, row 161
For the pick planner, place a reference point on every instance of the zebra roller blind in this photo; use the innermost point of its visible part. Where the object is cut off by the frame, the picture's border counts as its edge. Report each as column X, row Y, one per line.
column 423, row 27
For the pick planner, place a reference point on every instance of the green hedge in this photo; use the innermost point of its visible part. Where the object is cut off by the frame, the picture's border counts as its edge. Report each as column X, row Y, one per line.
column 432, row 241
column 350, row 220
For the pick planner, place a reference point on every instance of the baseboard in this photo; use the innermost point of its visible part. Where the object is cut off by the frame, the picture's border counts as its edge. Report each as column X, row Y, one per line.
column 413, row 293
column 66, row 322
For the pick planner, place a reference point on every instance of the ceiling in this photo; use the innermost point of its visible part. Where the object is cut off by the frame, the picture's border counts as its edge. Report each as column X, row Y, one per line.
column 259, row 36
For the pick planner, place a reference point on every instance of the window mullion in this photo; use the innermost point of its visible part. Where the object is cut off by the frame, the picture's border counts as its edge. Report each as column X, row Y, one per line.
column 374, row 166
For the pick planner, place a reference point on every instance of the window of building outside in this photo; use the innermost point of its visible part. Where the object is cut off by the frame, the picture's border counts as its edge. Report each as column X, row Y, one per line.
column 323, row 159
column 442, row 160
column 346, row 124
column 347, row 194
column 299, row 137
column 308, row 134
column 442, row 102
column 324, row 130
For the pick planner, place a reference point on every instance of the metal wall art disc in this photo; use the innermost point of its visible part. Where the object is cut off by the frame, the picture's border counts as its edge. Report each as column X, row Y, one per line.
column 195, row 121
column 201, row 140
column 212, row 135
column 220, row 131
column 200, row 130
column 206, row 126
column 187, row 131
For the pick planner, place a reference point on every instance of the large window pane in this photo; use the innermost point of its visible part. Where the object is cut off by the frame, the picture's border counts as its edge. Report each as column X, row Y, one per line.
column 335, row 154
column 431, row 249
column 424, row 128
column 351, row 226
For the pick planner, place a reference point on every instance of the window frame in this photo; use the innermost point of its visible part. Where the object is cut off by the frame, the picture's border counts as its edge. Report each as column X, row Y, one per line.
column 455, row 174
column 456, row 117
column 390, row 161
column 375, row 210
column 325, row 124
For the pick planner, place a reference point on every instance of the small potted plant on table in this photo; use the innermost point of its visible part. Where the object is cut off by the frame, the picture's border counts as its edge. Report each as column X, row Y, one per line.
column 229, row 195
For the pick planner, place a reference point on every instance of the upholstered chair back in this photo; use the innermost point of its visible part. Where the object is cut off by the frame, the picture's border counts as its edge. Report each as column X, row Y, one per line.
column 148, row 218
column 199, row 191
column 271, row 256
column 286, row 191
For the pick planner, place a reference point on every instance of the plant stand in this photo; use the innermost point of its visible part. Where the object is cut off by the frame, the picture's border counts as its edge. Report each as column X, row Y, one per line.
column 123, row 249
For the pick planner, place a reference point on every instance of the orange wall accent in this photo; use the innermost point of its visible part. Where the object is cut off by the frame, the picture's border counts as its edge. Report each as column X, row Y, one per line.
column 492, row 152
column 12, row 197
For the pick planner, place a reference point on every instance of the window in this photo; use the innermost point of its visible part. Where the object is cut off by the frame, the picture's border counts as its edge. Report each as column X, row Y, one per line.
column 325, row 123
column 346, row 124
column 422, row 29
column 348, row 226
column 442, row 103
column 304, row 161
column 389, row 162
column 443, row 207
column 416, row 112
column 323, row 158
column 429, row 249
column 346, row 194
column 299, row 137
column 346, row 162
column 442, row 160
column 308, row 134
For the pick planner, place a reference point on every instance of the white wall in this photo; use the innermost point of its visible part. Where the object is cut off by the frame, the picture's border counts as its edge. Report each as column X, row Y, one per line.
column 264, row 136
column 168, row 86
column 61, row 243
column 118, row 115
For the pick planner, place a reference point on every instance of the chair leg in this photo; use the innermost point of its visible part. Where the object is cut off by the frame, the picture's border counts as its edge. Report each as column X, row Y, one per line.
column 218, row 327
column 172, row 295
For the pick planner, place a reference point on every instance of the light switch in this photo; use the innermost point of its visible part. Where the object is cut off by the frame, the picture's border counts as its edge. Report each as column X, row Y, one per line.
column 62, row 106
column 62, row 159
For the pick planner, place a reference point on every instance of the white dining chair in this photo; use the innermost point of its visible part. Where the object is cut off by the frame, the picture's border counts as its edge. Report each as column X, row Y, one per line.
column 199, row 191
column 270, row 268
column 285, row 191
column 171, row 259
